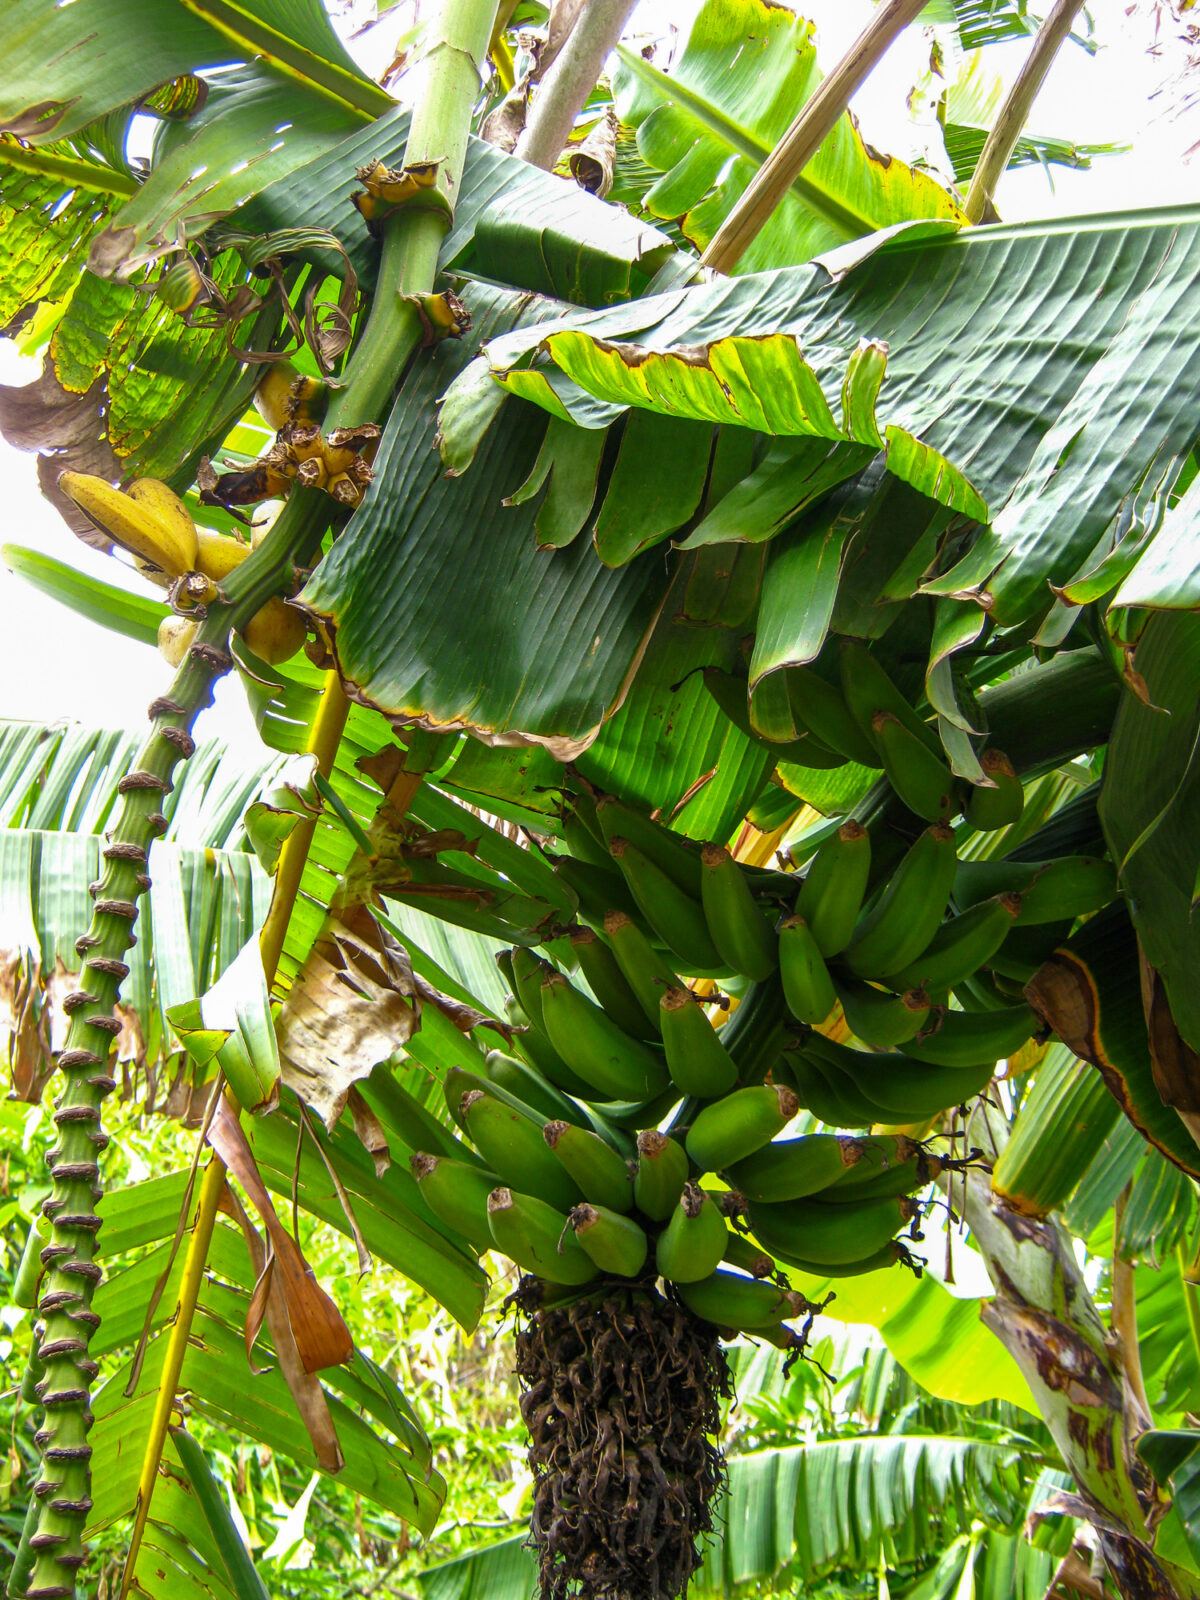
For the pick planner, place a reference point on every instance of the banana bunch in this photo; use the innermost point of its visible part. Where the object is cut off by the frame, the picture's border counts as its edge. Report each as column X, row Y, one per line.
column 151, row 523
column 638, row 1127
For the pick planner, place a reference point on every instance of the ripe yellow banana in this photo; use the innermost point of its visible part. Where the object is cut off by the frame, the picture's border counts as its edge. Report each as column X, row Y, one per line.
column 275, row 632
column 127, row 522
column 161, row 501
column 175, row 634
column 217, row 554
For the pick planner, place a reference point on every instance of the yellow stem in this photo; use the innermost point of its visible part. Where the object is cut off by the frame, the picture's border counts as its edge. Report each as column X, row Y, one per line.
column 502, row 60
column 164, row 1401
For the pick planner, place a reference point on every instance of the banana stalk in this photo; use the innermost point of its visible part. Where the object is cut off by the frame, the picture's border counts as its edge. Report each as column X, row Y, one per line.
column 66, row 1322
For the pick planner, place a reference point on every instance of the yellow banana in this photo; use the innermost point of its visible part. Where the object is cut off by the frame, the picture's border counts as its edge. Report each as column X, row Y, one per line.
column 275, row 632
column 175, row 634
column 217, row 554
column 128, row 523
column 161, row 501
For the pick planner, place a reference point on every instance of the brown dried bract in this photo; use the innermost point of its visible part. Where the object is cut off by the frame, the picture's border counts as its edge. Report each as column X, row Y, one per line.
column 621, row 1396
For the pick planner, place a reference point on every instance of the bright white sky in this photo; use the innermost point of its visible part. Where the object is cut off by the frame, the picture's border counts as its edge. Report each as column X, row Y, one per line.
column 54, row 665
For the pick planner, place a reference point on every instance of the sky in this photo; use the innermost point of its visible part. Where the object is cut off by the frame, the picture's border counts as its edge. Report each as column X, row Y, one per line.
column 54, row 665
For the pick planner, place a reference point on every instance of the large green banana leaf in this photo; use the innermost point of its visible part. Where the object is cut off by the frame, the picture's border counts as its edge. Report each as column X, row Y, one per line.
column 745, row 70
column 989, row 383
column 809, row 1508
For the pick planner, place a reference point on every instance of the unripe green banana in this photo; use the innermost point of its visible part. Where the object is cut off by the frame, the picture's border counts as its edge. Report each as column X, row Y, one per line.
column 731, row 1129
column 646, row 973
column 899, row 1177
column 579, row 837
column 536, row 1050
column 829, row 1235
column 922, row 779
column 458, row 1082
column 832, row 892
column 887, row 1256
column 675, row 856
column 524, row 1082
column 743, row 937
column 513, row 1146
column 732, row 696
column 732, row 1301
column 674, row 915
column 789, row 1169
column 823, row 710
column 905, row 1089
column 961, row 945
column 744, row 1253
column 593, row 1046
column 879, row 1155
column 830, row 1095
column 880, row 1018
column 807, row 986
column 909, row 909
column 1051, row 891
column 603, row 1176
column 692, row 1244
column 975, row 1038
column 1001, row 805
column 661, row 1173
column 537, row 1237
column 867, row 688
column 528, row 970
column 757, row 1031
column 698, row 1062
column 456, row 1193
column 596, row 889
column 609, row 984
column 614, row 1242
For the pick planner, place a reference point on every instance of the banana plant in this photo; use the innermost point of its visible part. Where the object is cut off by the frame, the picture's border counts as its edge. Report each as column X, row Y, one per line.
column 962, row 491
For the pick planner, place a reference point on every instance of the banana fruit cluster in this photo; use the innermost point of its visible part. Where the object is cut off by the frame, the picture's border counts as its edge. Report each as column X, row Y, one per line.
column 151, row 523
column 631, row 1134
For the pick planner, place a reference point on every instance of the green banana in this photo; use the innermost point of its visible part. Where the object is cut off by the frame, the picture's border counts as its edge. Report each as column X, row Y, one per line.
column 822, row 709
column 887, row 1256
column 733, row 1128
column 732, row 696
column 693, row 1242
column 879, row 1155
column 807, row 986
column 1051, row 891
column 458, row 1081
column 905, row 1089
column 909, row 909
column 541, row 1055
column 528, row 970
column 698, row 1062
column 961, row 945
column 922, row 779
column 831, row 895
column 867, row 688
column 527, row 1085
column 741, row 933
column 830, row 1095
column 614, row 1242
column 902, row 1178
column 537, row 1237
column 789, row 1169
column 828, row 1235
column 596, row 889
column 579, row 838
column 879, row 1018
column 732, row 1301
column 674, row 855
column 603, row 1176
column 674, row 915
column 609, row 984
column 644, row 970
column 756, row 1032
column 594, row 1047
column 456, row 1194
column 744, row 1253
column 1002, row 804
column 513, row 1146
column 661, row 1173
column 975, row 1038
column 642, row 1113
column 413, row 1124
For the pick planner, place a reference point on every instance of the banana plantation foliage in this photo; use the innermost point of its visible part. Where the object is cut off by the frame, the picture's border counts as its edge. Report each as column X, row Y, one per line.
column 675, row 1070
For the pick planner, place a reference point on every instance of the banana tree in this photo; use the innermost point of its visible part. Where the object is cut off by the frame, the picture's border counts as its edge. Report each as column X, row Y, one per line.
column 896, row 509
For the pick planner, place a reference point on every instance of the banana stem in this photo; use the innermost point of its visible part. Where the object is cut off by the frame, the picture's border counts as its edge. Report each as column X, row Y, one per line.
column 449, row 80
